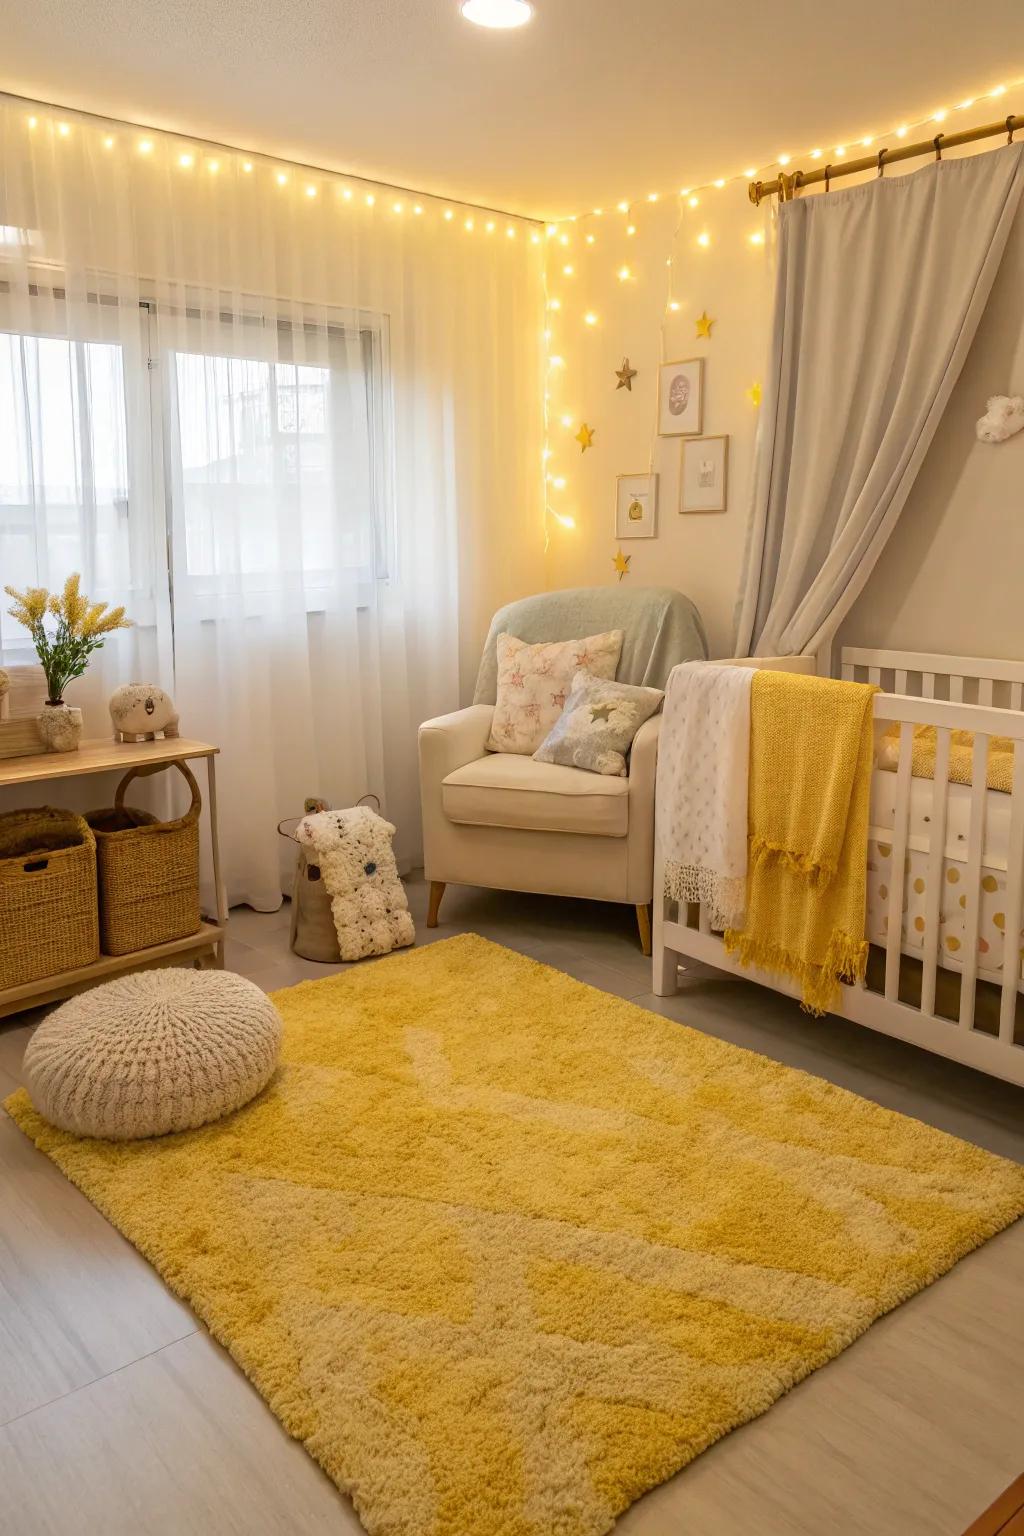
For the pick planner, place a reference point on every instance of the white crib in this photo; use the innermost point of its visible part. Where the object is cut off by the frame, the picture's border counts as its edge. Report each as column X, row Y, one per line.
column 910, row 985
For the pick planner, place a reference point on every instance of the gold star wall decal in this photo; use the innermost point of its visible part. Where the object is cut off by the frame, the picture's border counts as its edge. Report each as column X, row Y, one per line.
column 625, row 376
column 621, row 563
column 754, row 394
column 585, row 437
column 704, row 324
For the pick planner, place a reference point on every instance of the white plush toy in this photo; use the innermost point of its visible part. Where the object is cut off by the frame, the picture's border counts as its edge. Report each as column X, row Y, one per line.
column 1004, row 417
column 368, row 901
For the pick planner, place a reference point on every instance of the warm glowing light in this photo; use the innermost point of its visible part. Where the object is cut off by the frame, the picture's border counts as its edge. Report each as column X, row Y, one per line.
column 370, row 199
column 247, row 167
column 108, row 142
column 901, row 131
column 563, row 518
column 510, row 232
column 489, row 226
column 535, row 238
column 590, row 318
column 866, row 143
column 685, row 191
column 750, row 172
column 815, row 154
column 563, row 239
column 590, row 239
column 282, row 179
column 213, row 166
column 630, row 229
column 558, row 482
column 552, row 229
column 346, row 193
column 624, row 274
column 674, row 305
column 566, row 421
column 694, row 202
column 840, row 150
column 568, row 271
column 940, row 116
column 623, row 207
column 547, row 451
column 962, row 105
column 418, row 208
column 185, row 161
column 598, row 212
column 998, row 90
column 468, row 224
column 720, row 182
column 652, row 197
column 63, row 129
column 757, row 238
column 396, row 207
column 784, row 159
column 33, row 122
column 554, row 303
column 704, row 238
column 497, row 14
column 556, row 362
column 449, row 215
column 145, row 146
column 311, row 192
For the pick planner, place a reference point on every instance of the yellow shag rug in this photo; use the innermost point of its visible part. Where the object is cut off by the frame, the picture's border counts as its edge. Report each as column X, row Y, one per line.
column 504, row 1251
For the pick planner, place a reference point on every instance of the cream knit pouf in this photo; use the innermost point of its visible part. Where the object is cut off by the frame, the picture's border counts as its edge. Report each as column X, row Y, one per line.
column 153, row 1052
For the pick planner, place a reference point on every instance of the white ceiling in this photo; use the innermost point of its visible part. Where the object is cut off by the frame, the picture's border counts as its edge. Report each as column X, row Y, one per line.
column 593, row 101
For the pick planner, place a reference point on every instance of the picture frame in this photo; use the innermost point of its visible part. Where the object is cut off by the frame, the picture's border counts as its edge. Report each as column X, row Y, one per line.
column 681, row 398
column 704, row 474
column 636, row 506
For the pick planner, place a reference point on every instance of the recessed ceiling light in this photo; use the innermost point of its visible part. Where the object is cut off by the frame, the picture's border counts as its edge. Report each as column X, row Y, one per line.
column 497, row 13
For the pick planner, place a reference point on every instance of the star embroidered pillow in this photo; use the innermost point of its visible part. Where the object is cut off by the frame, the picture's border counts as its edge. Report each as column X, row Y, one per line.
column 596, row 728
column 534, row 683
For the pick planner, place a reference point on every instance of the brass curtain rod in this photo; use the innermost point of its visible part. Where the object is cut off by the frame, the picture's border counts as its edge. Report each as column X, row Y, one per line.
column 786, row 187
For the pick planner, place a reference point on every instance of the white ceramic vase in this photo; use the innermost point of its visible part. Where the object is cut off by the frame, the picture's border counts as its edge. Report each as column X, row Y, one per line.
column 60, row 728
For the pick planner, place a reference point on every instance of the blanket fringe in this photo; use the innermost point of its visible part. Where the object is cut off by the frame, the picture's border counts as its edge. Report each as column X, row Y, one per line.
column 764, row 854
column 846, row 961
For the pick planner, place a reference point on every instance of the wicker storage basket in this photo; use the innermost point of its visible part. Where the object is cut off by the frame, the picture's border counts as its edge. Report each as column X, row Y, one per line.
column 148, row 870
column 48, row 917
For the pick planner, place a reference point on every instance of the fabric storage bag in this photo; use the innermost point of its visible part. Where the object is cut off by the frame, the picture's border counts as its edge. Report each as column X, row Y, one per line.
column 48, row 909
column 148, row 869
column 313, row 934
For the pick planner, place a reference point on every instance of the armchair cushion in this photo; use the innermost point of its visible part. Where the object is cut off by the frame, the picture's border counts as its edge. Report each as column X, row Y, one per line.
column 534, row 682
column 596, row 728
column 508, row 790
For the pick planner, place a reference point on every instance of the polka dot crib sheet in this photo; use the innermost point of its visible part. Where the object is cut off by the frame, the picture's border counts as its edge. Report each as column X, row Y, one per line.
column 953, row 899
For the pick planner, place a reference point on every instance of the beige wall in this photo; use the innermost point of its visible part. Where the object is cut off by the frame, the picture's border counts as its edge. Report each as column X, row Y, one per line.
column 698, row 553
column 950, row 580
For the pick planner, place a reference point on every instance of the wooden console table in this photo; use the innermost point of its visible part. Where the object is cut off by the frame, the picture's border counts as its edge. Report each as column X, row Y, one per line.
column 105, row 756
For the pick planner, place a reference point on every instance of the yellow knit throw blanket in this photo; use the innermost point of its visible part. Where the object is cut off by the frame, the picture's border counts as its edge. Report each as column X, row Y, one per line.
column 810, row 786
column 961, row 756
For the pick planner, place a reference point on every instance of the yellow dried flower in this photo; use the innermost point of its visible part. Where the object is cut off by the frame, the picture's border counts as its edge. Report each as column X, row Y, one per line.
column 31, row 604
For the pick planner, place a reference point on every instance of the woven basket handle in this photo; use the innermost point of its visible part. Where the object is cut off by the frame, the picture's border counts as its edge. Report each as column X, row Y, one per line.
column 143, row 772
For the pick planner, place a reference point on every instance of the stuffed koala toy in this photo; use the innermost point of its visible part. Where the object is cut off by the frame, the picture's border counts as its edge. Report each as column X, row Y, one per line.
column 1004, row 417
column 368, row 901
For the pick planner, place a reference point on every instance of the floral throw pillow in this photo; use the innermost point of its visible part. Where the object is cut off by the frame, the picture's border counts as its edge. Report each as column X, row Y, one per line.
column 596, row 728
column 534, row 683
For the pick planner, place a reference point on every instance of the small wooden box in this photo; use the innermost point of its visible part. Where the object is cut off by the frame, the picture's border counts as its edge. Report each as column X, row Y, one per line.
column 19, row 738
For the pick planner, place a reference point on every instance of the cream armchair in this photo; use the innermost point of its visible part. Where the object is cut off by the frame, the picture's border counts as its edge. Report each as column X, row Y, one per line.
column 503, row 820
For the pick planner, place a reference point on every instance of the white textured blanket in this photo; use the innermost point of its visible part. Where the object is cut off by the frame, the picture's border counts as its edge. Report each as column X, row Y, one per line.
column 368, row 901
column 701, row 798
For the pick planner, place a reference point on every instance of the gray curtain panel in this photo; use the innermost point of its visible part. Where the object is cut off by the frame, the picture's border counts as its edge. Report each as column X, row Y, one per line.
column 879, row 291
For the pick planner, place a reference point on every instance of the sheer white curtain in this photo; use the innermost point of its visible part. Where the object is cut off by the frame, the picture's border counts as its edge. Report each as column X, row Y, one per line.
column 280, row 414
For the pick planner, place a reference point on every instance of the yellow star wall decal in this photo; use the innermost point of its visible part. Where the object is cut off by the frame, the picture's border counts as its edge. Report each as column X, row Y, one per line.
column 585, row 437
column 754, row 394
column 625, row 376
column 621, row 563
column 704, row 324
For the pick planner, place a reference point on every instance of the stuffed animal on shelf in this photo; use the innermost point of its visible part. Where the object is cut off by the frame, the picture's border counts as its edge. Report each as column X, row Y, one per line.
column 140, row 711
column 368, row 901
column 1004, row 417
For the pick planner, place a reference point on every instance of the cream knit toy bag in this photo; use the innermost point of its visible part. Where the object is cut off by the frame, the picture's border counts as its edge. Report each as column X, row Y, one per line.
column 368, row 901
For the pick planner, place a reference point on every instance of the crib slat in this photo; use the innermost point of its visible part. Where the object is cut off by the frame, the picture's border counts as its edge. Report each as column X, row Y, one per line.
column 875, row 676
column 848, row 672
column 975, row 845
column 985, row 690
column 899, row 680
column 1014, row 900
column 956, row 689
column 1016, row 695
column 898, row 864
column 927, row 685
column 936, row 860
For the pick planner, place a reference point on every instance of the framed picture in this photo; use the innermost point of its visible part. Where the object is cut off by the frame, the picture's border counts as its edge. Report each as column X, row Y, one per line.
column 680, row 398
column 703, row 481
column 636, row 506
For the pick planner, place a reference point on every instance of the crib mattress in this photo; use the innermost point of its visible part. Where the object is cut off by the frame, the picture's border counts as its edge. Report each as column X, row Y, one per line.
column 995, row 846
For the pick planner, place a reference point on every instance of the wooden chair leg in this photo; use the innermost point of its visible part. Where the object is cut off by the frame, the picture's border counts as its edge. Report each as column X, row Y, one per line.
column 436, row 892
column 643, row 919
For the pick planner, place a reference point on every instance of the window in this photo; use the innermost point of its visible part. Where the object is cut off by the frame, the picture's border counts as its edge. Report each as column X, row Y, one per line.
column 272, row 469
